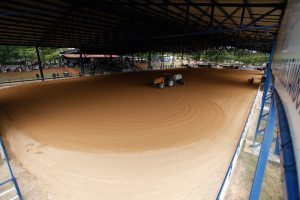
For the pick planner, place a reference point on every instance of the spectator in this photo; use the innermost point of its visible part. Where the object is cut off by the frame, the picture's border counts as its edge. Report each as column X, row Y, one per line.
column 53, row 75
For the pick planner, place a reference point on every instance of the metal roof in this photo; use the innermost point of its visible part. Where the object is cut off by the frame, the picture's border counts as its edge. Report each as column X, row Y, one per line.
column 77, row 56
column 114, row 26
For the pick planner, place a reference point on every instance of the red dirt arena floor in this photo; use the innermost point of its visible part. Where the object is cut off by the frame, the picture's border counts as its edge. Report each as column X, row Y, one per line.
column 117, row 137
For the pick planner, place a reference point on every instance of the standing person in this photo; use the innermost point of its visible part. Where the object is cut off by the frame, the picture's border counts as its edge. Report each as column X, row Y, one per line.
column 251, row 81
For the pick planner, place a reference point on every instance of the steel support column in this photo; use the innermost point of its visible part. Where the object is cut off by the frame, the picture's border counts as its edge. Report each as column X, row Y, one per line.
column 121, row 57
column 81, row 65
column 40, row 63
column 173, row 59
column 163, row 60
column 60, row 61
column 264, row 153
column 110, row 59
column 182, row 58
column 186, row 30
column 132, row 63
column 149, row 60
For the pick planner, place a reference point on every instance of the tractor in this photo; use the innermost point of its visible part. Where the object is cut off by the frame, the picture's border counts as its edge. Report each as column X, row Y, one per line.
column 168, row 80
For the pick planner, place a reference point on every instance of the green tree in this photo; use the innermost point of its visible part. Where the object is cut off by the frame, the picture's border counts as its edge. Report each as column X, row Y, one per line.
column 8, row 54
column 50, row 54
column 226, row 54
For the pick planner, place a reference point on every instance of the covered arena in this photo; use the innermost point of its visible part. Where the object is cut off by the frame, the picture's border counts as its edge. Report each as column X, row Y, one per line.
column 115, row 136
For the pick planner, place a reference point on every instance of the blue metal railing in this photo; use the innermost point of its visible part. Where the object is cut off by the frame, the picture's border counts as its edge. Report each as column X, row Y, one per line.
column 267, row 93
column 12, row 177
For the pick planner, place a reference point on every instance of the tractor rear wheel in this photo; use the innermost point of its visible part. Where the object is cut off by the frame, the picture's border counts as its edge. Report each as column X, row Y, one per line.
column 170, row 83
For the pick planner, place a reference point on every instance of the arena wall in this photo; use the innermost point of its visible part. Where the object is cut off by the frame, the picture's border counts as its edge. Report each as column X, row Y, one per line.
column 286, row 72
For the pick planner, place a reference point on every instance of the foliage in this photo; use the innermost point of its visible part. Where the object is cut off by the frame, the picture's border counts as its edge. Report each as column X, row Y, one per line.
column 17, row 54
column 49, row 54
column 7, row 53
column 231, row 54
column 220, row 55
column 10, row 54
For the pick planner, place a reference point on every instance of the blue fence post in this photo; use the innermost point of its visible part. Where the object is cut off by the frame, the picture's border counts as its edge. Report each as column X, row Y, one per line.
column 17, row 188
column 277, row 150
column 264, row 153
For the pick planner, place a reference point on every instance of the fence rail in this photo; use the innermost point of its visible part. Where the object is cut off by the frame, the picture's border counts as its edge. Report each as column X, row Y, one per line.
column 9, row 189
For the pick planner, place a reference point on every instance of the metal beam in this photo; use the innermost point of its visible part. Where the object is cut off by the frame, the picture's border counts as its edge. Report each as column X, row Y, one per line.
column 204, row 12
column 132, row 24
column 253, row 22
column 161, row 3
column 195, row 17
column 212, row 11
column 231, row 14
column 225, row 13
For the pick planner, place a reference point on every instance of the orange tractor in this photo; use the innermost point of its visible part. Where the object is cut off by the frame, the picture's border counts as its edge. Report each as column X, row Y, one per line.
column 168, row 80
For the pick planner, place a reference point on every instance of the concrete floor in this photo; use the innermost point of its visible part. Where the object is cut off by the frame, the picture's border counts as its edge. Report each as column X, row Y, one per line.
column 242, row 177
